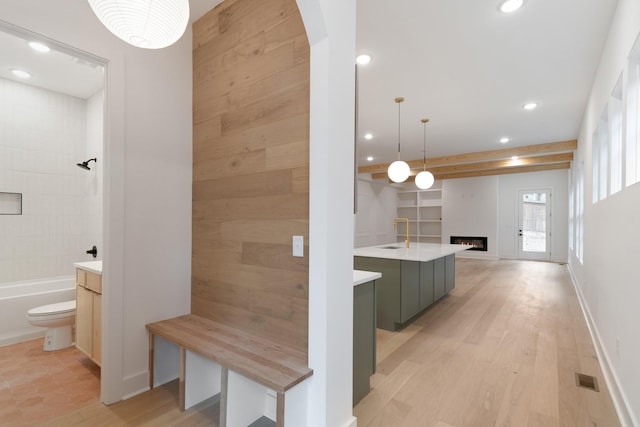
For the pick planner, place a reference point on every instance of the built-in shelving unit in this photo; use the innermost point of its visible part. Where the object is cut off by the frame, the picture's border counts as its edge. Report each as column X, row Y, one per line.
column 423, row 208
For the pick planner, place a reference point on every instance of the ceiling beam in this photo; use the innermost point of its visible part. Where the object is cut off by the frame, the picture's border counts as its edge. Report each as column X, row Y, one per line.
column 492, row 155
column 499, row 171
column 490, row 165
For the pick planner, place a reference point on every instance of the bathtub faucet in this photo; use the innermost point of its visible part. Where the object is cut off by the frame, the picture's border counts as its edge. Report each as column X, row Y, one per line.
column 93, row 251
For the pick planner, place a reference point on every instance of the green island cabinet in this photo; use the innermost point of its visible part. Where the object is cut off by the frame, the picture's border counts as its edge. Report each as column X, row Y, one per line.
column 410, row 285
column 364, row 332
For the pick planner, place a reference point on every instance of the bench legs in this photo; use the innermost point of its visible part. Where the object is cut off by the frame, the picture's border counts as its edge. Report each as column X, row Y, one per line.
column 181, row 376
column 224, row 390
column 224, row 386
column 151, row 360
column 280, row 409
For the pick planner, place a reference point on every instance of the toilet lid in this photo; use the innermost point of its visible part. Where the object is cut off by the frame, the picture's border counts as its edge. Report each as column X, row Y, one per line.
column 57, row 308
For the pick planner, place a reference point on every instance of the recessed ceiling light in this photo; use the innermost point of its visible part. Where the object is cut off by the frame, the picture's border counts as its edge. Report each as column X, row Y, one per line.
column 514, row 157
column 504, row 140
column 363, row 59
column 370, row 159
column 530, row 106
column 20, row 73
column 39, row 47
column 368, row 136
column 509, row 6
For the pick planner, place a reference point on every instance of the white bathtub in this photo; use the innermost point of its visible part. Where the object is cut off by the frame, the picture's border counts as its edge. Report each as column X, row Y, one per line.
column 16, row 298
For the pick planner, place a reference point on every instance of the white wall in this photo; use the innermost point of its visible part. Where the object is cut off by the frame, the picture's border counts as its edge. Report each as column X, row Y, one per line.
column 508, row 188
column 93, row 180
column 42, row 137
column 470, row 208
column 608, row 280
column 147, row 191
column 330, row 27
column 376, row 211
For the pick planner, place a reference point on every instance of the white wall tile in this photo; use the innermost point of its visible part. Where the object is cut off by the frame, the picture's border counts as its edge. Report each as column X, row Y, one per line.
column 42, row 136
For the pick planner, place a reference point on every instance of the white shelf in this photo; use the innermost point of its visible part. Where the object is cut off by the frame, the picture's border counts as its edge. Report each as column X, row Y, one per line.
column 423, row 208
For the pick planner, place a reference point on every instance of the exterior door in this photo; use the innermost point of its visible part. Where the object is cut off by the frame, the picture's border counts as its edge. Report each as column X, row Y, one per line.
column 534, row 234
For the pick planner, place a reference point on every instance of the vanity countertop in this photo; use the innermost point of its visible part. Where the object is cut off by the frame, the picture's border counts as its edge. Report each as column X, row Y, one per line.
column 361, row 276
column 92, row 266
column 416, row 252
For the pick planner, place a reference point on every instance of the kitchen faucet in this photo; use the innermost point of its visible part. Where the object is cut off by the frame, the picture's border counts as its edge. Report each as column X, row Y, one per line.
column 395, row 224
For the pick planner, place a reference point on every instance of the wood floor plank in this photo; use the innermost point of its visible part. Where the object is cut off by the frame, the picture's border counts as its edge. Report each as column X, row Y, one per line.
column 457, row 365
column 501, row 350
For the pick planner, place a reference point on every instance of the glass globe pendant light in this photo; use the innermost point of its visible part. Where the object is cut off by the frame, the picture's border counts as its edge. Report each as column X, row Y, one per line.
column 399, row 171
column 149, row 24
column 424, row 179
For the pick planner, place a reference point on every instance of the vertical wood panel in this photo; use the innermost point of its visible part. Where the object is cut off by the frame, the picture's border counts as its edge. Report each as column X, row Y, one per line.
column 251, row 168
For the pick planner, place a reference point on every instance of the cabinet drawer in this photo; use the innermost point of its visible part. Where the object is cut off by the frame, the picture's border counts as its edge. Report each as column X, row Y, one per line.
column 94, row 282
column 81, row 277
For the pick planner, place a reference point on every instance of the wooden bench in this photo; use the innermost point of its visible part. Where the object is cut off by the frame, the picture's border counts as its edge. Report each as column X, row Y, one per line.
column 272, row 365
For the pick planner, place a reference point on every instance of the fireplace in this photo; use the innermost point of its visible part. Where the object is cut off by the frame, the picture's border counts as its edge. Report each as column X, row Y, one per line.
column 478, row 243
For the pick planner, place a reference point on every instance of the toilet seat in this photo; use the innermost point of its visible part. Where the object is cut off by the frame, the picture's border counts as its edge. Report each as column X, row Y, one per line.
column 58, row 309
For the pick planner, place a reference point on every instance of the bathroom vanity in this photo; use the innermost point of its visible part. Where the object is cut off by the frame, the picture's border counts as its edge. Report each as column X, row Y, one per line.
column 413, row 278
column 89, row 309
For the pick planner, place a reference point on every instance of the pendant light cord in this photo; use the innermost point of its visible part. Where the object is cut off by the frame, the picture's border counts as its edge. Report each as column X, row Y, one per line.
column 424, row 145
column 398, row 100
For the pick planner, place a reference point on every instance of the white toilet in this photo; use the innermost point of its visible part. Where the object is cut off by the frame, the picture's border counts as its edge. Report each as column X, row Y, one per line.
column 59, row 319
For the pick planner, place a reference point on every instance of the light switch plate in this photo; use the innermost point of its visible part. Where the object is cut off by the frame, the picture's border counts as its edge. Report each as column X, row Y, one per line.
column 298, row 246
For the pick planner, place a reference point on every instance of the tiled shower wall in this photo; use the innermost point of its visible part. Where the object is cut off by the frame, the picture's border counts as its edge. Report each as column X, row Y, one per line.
column 43, row 135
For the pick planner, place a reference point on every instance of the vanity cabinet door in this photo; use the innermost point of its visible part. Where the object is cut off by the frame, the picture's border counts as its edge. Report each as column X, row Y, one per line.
column 84, row 320
column 96, row 352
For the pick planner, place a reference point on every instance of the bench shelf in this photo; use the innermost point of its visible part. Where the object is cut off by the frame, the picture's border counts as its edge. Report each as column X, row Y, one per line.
column 262, row 361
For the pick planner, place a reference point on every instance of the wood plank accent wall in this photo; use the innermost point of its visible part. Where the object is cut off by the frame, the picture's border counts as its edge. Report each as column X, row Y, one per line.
column 251, row 168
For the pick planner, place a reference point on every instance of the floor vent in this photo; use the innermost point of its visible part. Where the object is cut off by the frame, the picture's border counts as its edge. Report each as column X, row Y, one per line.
column 587, row 381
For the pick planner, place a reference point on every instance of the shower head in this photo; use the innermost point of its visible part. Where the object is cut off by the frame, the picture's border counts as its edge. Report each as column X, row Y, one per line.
column 85, row 165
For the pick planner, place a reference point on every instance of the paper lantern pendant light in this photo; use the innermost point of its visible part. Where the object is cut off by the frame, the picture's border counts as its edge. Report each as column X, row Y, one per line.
column 149, row 24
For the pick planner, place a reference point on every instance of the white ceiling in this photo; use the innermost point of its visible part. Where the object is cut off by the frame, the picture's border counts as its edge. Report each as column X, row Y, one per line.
column 55, row 71
column 461, row 63
column 60, row 72
column 469, row 68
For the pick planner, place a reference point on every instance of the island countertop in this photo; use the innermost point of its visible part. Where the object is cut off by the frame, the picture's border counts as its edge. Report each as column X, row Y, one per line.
column 360, row 276
column 421, row 252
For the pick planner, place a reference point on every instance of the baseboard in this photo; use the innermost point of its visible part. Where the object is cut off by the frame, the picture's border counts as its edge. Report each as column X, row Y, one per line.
column 353, row 422
column 620, row 402
column 133, row 385
column 21, row 337
column 470, row 255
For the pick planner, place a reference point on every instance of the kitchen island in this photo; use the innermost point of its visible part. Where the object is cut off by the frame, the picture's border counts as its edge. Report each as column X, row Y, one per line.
column 412, row 278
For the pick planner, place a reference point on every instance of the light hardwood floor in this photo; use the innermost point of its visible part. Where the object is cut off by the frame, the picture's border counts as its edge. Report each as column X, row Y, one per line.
column 501, row 350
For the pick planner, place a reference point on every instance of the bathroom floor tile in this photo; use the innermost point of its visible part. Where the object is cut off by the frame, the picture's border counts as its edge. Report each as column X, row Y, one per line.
column 36, row 385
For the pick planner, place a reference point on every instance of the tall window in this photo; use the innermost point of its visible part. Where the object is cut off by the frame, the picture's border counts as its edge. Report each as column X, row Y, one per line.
column 595, row 165
column 604, row 155
column 633, row 117
column 615, row 138
column 571, row 209
column 580, row 213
